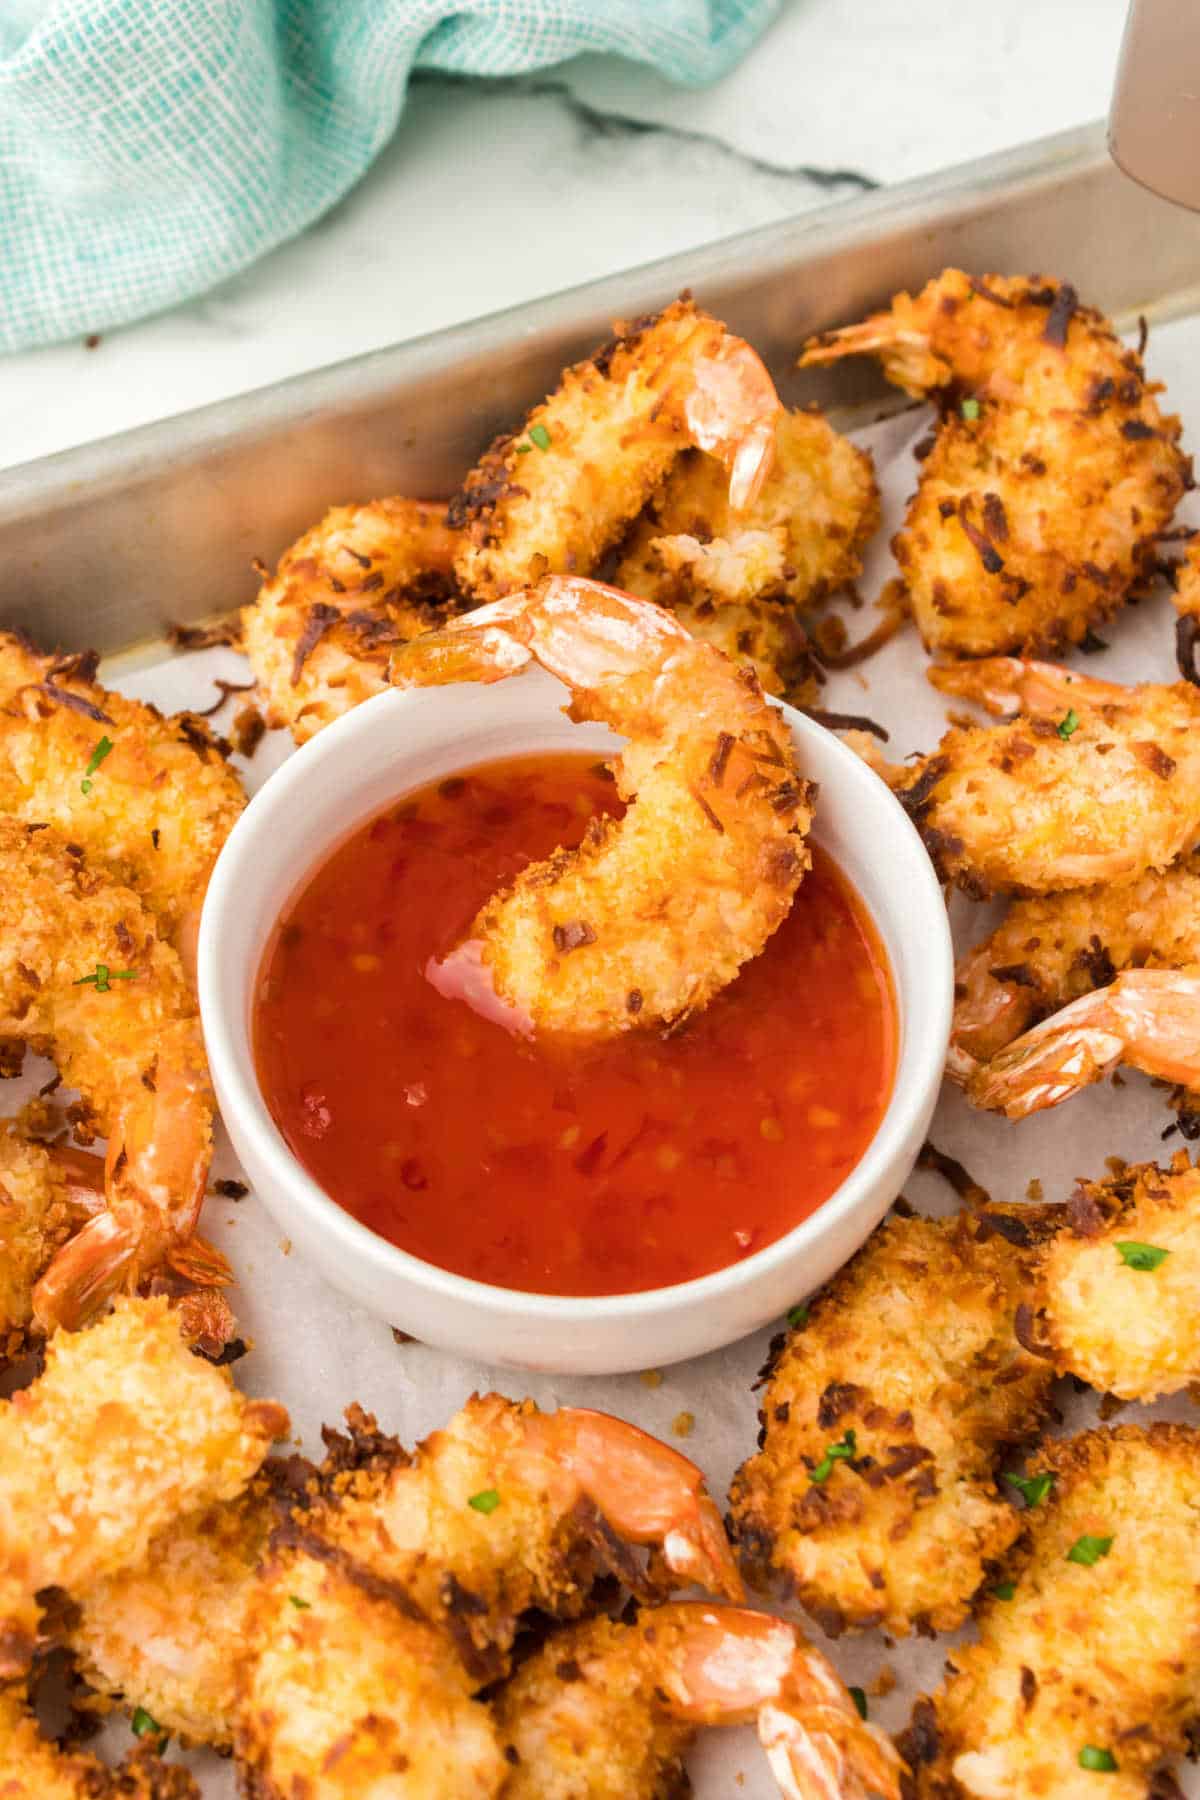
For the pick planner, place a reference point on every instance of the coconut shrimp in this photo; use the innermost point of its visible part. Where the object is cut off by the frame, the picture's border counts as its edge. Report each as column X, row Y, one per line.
column 149, row 800
column 34, row 1768
column 655, row 912
column 1084, row 1677
column 800, row 540
column 606, row 1711
column 85, row 976
column 320, row 633
column 1115, row 1292
column 1086, row 781
column 1186, row 595
column 125, row 1430
column 552, row 498
column 885, row 1418
column 1053, row 471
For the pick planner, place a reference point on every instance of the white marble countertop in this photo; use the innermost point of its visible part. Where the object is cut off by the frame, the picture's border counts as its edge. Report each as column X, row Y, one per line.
column 493, row 193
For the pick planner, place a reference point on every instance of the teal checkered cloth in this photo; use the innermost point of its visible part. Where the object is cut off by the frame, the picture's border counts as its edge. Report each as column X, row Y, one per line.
column 150, row 148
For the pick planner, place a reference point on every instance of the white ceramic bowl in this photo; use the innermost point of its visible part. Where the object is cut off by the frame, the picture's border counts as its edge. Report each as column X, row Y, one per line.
column 398, row 742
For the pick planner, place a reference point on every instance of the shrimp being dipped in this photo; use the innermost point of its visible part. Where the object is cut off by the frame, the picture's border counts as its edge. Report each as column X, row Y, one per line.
column 606, row 1711
column 34, row 1768
column 1053, row 471
column 85, row 977
column 320, row 633
column 1086, row 781
column 125, row 1430
column 884, row 1420
column 1084, row 1678
column 552, row 498
column 149, row 800
column 657, row 911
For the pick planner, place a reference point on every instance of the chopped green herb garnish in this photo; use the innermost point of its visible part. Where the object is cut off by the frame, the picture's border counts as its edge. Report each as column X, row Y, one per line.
column 1088, row 1550
column 839, row 1452
column 970, row 409
column 1103, row 1762
column 1005, row 1590
column 860, row 1701
column 540, row 436
column 1142, row 1256
column 1069, row 725
column 142, row 1725
column 798, row 1318
column 98, row 755
column 104, row 977
column 1033, row 1488
column 485, row 1502
column 524, row 449
column 299, row 1604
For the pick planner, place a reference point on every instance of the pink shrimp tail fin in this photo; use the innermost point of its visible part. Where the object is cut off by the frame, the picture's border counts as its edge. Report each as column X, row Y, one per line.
column 730, row 410
column 89, row 1269
column 827, row 1759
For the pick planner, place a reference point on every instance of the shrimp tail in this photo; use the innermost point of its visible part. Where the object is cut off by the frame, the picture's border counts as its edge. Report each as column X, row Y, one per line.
column 1006, row 686
column 730, row 410
column 826, row 1755
column 83, row 1276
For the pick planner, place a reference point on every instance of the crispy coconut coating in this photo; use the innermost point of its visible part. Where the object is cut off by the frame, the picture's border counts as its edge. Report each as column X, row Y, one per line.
column 167, row 1633
column 1048, row 951
column 1052, row 471
column 1091, row 782
column 124, row 1431
column 85, row 978
column 552, row 498
column 365, row 579
column 351, row 1696
column 816, row 510
column 1186, row 577
column 1126, row 1320
column 1095, row 1659
column 157, row 807
column 908, row 1362
column 33, row 1768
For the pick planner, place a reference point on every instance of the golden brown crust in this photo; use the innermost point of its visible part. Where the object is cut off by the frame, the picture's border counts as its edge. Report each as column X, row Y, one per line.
column 1102, row 1654
column 912, row 1348
column 34, row 1768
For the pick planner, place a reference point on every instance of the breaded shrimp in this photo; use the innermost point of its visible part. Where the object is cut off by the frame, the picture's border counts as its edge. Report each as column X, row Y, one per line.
column 149, row 800
column 320, row 633
column 46, row 1193
column 1186, row 595
column 1048, row 951
column 1087, row 782
column 169, row 1632
column 606, row 1711
column 1085, row 1676
column 123, row 1432
column 883, row 1423
column 34, row 1768
column 1052, row 472
column 508, row 1508
column 1114, row 1302
column 350, row 1695
column 85, row 977
column 555, row 496
column 657, row 911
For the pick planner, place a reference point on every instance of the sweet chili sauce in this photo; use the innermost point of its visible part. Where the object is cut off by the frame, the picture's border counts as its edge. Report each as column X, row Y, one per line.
column 595, row 1169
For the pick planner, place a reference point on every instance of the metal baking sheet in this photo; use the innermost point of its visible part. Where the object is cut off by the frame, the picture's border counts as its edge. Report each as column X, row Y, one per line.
column 109, row 542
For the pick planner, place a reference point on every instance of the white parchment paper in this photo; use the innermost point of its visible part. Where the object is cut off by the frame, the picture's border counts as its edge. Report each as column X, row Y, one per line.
column 317, row 1352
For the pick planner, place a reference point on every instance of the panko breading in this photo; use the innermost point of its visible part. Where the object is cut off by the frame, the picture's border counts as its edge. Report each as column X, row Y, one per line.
column 1186, row 595
column 33, row 1768
column 1117, row 1289
column 168, row 1633
column 657, row 911
column 873, row 1492
column 1092, row 782
column 349, row 1694
column 155, row 809
column 362, row 581
column 85, row 977
column 1048, row 951
column 552, row 498
column 564, row 1496
column 41, row 1190
column 1083, row 1682
column 1052, row 472
column 817, row 508
column 123, row 1432
column 606, row 1711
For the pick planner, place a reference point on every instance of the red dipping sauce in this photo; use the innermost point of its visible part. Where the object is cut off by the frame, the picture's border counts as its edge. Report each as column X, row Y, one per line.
column 596, row 1169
